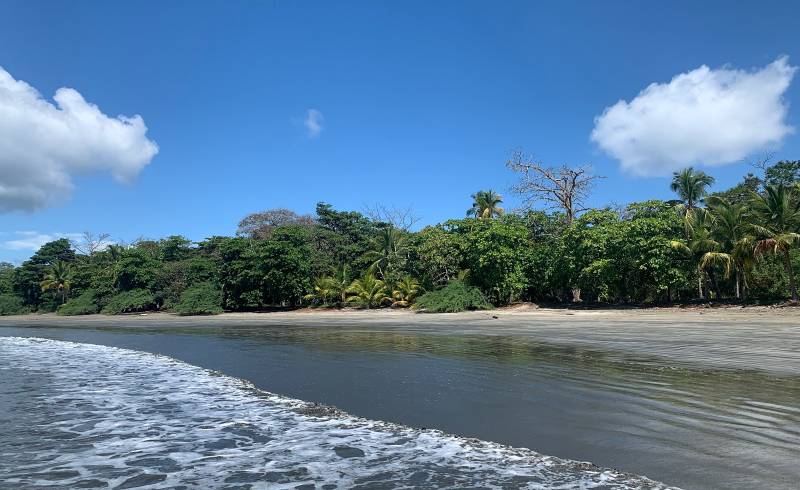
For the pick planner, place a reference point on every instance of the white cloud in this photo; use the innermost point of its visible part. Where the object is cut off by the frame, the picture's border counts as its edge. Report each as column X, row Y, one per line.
column 705, row 116
column 33, row 240
column 313, row 123
column 43, row 145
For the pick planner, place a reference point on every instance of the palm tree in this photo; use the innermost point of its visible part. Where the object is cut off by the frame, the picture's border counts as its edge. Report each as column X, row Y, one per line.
column 387, row 250
column 405, row 292
column 776, row 222
column 324, row 291
column 331, row 289
column 700, row 245
column 486, row 205
column 59, row 279
column 731, row 229
column 368, row 291
column 691, row 186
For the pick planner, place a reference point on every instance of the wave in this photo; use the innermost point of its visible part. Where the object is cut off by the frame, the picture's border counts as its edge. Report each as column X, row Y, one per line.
column 81, row 416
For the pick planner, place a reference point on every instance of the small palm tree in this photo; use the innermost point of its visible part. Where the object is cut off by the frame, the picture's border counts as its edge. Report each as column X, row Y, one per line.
column 405, row 292
column 691, row 186
column 367, row 291
column 731, row 229
column 486, row 205
column 700, row 245
column 324, row 291
column 330, row 289
column 776, row 222
column 388, row 249
column 58, row 279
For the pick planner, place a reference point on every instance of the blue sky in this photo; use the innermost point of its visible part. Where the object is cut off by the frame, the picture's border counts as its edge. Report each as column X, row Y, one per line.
column 419, row 103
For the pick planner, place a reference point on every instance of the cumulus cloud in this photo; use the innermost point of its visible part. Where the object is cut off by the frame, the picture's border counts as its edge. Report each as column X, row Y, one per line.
column 705, row 116
column 43, row 145
column 32, row 240
column 313, row 123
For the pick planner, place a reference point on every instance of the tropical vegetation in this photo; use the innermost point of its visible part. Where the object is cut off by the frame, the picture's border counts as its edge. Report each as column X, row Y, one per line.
column 740, row 244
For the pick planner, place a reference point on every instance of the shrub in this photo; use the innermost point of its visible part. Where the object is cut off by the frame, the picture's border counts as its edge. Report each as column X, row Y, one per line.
column 456, row 296
column 12, row 305
column 203, row 299
column 130, row 301
column 84, row 304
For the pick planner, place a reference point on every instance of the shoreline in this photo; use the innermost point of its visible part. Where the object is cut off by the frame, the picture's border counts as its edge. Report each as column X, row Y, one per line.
column 755, row 338
column 514, row 313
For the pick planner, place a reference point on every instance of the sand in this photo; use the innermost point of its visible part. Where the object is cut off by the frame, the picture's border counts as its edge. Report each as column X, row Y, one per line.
column 753, row 338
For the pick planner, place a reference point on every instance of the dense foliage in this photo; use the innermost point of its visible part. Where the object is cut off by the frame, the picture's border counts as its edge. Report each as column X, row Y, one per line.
column 84, row 304
column 455, row 296
column 202, row 299
column 737, row 244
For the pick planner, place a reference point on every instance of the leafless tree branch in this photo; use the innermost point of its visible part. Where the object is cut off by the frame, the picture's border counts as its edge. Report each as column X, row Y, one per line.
column 89, row 243
column 564, row 187
column 403, row 218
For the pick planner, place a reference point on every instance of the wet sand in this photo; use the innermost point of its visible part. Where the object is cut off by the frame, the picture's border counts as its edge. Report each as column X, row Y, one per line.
column 699, row 398
column 755, row 338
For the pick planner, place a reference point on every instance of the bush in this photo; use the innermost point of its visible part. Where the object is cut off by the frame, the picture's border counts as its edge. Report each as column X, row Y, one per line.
column 456, row 296
column 203, row 299
column 12, row 305
column 130, row 301
column 80, row 305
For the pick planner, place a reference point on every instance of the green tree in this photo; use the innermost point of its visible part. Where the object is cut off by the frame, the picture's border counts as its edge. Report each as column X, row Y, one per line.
column 331, row 289
column 405, row 291
column 691, row 186
column 701, row 246
column 27, row 279
column 731, row 229
column 785, row 173
column 6, row 278
column 368, row 291
column 495, row 252
column 486, row 205
column 776, row 222
column 58, row 279
column 388, row 251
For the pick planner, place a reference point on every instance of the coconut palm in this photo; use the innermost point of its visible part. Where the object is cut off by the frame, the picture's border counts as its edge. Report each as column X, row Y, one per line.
column 700, row 245
column 486, row 205
column 731, row 229
column 368, row 291
column 691, row 186
column 330, row 289
column 387, row 250
column 776, row 222
column 405, row 292
column 58, row 279
column 324, row 290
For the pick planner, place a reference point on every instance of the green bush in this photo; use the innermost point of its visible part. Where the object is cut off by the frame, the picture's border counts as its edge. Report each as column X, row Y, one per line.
column 84, row 304
column 456, row 296
column 12, row 305
column 130, row 301
column 203, row 299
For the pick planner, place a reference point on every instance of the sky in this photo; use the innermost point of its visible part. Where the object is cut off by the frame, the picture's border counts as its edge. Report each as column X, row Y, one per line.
column 149, row 119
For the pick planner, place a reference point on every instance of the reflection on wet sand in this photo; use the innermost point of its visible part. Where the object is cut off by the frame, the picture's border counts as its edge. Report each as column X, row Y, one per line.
column 683, row 422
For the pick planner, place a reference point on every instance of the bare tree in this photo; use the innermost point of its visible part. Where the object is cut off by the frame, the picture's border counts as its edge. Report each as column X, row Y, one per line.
column 401, row 218
column 260, row 225
column 762, row 163
column 89, row 243
column 565, row 188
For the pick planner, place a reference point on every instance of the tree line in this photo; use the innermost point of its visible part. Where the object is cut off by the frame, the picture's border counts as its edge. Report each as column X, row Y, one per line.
column 739, row 244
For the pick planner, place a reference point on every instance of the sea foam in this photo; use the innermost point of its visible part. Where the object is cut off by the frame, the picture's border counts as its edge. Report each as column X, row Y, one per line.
column 80, row 415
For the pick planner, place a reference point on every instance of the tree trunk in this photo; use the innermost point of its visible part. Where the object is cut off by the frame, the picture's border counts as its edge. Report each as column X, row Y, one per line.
column 700, row 284
column 738, row 289
column 787, row 261
column 715, row 285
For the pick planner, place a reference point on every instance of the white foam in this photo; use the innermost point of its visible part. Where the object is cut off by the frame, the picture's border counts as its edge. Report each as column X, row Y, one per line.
column 110, row 415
